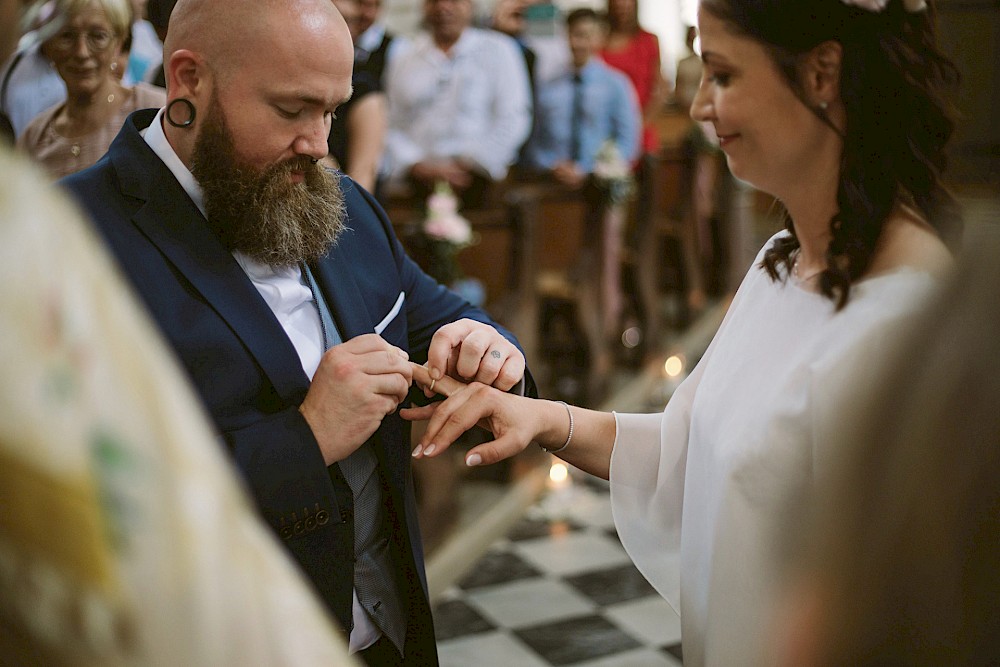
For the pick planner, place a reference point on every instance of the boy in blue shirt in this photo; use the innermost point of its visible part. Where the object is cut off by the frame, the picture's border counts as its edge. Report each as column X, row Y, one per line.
column 582, row 108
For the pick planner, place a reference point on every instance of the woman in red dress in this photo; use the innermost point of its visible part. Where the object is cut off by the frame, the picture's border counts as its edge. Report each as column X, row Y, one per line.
column 636, row 52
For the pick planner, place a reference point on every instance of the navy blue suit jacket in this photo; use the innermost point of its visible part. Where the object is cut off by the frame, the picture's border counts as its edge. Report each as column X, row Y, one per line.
column 248, row 373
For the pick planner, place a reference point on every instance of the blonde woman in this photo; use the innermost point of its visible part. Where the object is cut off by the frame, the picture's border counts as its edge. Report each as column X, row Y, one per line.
column 75, row 133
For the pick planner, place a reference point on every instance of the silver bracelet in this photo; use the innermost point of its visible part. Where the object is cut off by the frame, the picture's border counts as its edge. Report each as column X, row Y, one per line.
column 568, row 437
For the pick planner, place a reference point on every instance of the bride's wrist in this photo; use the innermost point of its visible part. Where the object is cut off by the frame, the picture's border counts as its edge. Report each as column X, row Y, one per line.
column 559, row 422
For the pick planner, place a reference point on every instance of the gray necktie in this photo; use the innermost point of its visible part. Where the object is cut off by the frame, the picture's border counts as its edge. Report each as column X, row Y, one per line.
column 373, row 567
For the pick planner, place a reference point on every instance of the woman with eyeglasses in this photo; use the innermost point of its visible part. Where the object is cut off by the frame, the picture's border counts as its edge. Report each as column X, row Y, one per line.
column 75, row 133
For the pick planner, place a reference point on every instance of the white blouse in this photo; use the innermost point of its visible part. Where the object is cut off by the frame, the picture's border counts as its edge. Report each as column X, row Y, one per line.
column 698, row 492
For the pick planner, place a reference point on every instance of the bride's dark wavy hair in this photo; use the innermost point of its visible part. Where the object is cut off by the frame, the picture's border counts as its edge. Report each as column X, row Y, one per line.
column 893, row 84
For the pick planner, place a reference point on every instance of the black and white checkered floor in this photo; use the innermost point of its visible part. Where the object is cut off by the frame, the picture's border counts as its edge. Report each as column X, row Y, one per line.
column 558, row 590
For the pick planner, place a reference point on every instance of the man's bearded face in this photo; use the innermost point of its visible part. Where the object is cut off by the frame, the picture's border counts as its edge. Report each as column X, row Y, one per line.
column 262, row 212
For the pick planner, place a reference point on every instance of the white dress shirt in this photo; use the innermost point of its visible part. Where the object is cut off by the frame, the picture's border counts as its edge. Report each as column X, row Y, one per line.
column 287, row 294
column 473, row 102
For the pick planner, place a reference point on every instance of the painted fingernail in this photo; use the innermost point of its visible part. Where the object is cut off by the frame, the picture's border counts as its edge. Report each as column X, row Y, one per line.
column 417, row 450
column 473, row 460
column 430, row 449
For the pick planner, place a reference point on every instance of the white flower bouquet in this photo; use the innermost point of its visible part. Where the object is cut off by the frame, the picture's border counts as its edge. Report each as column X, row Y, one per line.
column 442, row 234
column 613, row 174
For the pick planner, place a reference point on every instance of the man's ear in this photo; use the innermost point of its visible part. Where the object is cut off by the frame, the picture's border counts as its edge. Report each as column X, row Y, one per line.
column 186, row 74
column 822, row 72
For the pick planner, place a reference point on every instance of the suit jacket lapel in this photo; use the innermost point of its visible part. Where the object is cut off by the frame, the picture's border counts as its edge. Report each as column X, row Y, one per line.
column 172, row 222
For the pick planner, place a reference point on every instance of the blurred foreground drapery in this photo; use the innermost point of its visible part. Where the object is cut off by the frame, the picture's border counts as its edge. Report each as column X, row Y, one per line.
column 125, row 537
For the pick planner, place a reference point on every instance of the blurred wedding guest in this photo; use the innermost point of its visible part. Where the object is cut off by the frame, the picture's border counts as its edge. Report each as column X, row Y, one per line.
column 589, row 104
column 146, row 54
column 636, row 52
column 459, row 104
column 357, row 130
column 74, row 134
column 698, row 490
column 29, row 82
column 373, row 43
column 701, row 145
column 688, row 76
column 125, row 537
column 579, row 116
column 508, row 18
column 158, row 15
column 901, row 560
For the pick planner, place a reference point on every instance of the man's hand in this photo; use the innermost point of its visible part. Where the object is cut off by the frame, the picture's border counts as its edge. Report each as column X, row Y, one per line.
column 356, row 385
column 569, row 174
column 458, row 175
column 472, row 351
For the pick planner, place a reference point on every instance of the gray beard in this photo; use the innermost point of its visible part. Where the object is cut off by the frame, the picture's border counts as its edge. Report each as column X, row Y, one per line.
column 261, row 212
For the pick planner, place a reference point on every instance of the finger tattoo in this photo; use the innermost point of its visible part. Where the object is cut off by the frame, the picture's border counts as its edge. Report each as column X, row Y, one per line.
column 495, row 354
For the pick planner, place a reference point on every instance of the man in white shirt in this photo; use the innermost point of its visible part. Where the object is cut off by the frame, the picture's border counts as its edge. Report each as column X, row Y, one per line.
column 459, row 103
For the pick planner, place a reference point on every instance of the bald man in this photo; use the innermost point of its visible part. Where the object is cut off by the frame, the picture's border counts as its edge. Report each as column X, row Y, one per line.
column 289, row 300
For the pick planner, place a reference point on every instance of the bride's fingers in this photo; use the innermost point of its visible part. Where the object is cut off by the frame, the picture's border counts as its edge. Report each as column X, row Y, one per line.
column 418, row 413
column 451, row 419
column 493, row 451
column 445, row 386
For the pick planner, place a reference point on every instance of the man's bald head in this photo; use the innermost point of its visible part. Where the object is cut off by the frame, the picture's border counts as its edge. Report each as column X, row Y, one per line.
column 270, row 66
column 224, row 32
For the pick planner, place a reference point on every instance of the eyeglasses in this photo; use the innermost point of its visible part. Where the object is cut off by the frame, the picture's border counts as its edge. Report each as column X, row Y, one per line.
column 97, row 40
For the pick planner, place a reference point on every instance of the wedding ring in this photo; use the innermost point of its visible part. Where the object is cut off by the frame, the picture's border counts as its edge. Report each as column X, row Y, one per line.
column 431, row 388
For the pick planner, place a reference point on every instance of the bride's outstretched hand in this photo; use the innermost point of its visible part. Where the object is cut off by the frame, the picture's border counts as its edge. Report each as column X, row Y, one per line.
column 512, row 419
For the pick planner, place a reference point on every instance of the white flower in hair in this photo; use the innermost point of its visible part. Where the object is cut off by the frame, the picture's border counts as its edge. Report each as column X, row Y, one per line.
column 870, row 5
column 878, row 5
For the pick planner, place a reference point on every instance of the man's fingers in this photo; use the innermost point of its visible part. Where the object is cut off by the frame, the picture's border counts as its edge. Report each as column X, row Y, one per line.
column 421, row 375
column 491, row 363
column 443, row 345
column 511, row 373
column 474, row 351
column 372, row 342
column 470, row 357
column 380, row 361
column 394, row 385
column 445, row 385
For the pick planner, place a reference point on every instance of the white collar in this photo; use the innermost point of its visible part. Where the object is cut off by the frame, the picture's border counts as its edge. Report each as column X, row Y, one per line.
column 157, row 140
